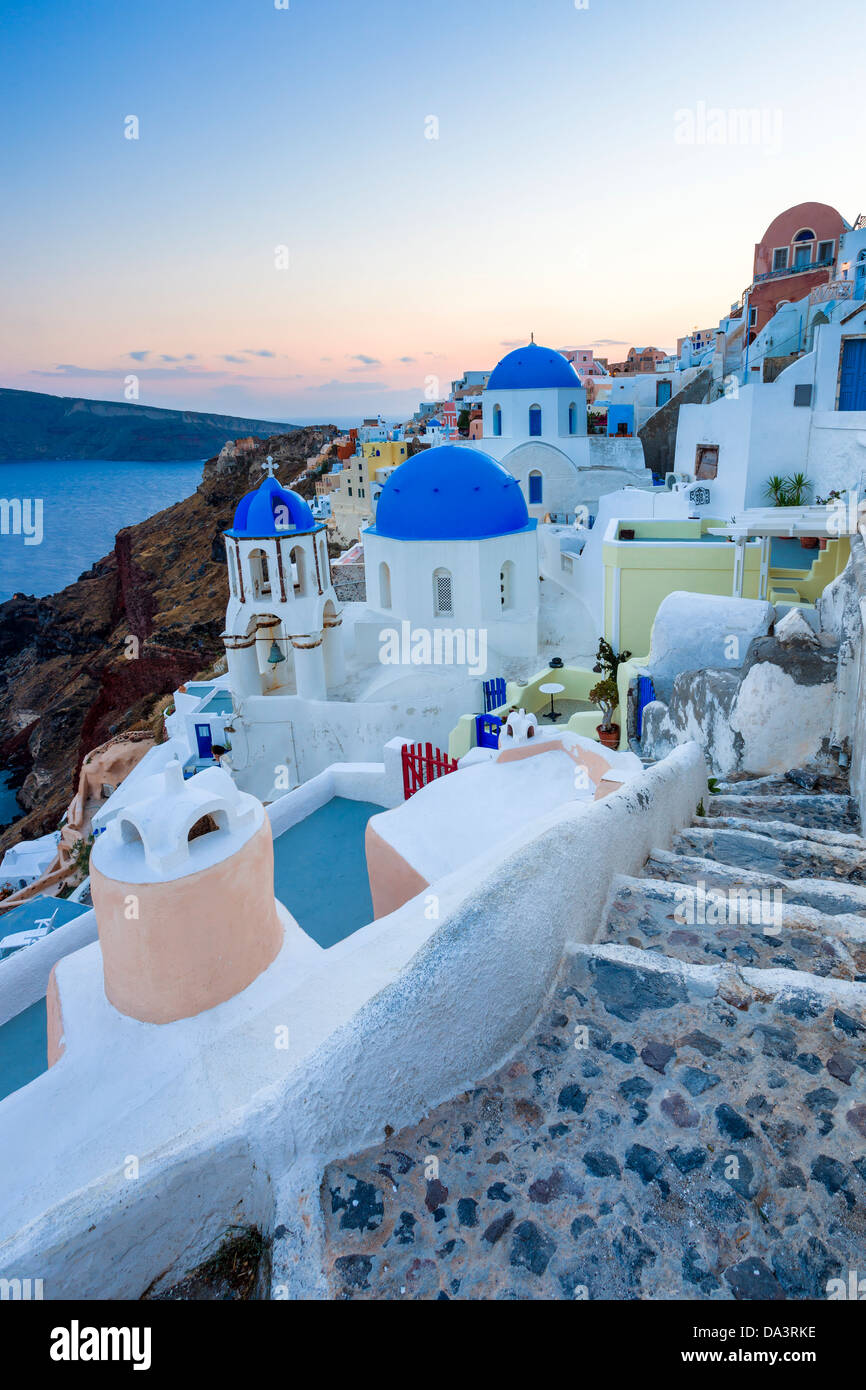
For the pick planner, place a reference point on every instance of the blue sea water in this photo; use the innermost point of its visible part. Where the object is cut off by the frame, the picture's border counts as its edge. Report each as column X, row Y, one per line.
column 85, row 502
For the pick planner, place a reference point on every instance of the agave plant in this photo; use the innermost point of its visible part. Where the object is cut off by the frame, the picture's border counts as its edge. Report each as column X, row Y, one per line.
column 792, row 491
column 798, row 489
column 776, row 491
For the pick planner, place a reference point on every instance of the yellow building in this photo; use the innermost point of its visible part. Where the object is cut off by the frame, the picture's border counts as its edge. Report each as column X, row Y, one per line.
column 386, row 453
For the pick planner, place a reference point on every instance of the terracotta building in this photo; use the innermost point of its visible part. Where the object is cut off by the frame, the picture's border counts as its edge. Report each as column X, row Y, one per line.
column 796, row 254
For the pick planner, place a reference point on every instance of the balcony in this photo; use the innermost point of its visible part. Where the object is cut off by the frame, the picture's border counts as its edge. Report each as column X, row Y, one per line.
column 795, row 270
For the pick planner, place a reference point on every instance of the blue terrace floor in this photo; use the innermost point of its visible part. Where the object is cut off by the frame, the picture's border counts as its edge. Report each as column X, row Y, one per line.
column 320, row 870
column 23, row 1048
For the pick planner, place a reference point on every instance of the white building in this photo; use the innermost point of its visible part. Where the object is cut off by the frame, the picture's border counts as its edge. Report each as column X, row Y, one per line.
column 534, row 423
column 453, row 548
column 811, row 419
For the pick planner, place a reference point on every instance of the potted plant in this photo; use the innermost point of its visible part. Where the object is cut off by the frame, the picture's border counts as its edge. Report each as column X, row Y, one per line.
column 792, row 491
column 606, row 695
column 831, row 500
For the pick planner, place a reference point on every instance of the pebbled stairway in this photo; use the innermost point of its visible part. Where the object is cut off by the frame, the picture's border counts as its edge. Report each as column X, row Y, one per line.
column 687, row 1119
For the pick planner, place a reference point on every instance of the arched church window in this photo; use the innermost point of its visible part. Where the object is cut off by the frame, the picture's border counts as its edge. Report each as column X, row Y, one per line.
column 261, row 580
column 572, row 418
column 384, row 586
column 497, row 420
column 323, row 560
column 506, row 585
column 443, row 603
column 296, row 559
column 535, row 419
column 233, row 578
column 536, row 489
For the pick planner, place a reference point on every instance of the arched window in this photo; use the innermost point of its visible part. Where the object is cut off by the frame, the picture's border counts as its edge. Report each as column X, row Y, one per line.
column 323, row 560
column 803, row 243
column 536, row 489
column 384, row 586
column 506, row 585
column 233, row 579
column 261, row 581
column 443, row 603
column 535, row 419
column 572, row 418
column 296, row 560
column 497, row 420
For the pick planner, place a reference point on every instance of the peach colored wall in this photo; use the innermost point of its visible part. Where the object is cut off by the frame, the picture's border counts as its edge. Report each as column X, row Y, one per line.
column 392, row 881
column 54, row 1020
column 597, row 766
column 197, row 941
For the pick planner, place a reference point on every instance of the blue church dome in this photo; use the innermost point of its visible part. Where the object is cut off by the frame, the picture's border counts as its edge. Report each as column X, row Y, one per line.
column 450, row 493
column 532, row 368
column 257, row 512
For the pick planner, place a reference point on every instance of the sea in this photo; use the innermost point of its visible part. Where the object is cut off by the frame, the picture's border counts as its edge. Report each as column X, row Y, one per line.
column 84, row 503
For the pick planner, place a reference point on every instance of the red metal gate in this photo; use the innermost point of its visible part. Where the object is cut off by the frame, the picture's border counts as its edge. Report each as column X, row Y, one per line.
column 422, row 763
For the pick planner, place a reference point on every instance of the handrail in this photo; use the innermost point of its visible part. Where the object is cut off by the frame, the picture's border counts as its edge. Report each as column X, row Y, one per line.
column 794, row 270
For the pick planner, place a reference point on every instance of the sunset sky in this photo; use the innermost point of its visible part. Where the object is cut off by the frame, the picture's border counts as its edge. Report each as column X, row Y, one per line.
column 557, row 197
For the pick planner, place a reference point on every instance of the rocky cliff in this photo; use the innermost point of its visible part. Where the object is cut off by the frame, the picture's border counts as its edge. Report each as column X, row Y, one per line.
column 96, row 658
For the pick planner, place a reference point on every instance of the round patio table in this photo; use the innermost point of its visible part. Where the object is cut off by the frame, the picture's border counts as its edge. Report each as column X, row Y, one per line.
column 551, row 689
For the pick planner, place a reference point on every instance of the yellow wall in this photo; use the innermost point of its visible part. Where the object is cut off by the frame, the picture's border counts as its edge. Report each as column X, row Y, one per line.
column 648, row 573
column 391, row 453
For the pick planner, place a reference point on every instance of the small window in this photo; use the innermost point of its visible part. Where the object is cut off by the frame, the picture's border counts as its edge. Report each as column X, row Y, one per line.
column 384, row 586
column 506, row 585
column 497, row 421
column 803, row 394
column 825, row 252
column 572, row 418
column 535, row 419
column 706, row 461
column 442, row 597
column 536, row 490
column 780, row 258
column 753, row 317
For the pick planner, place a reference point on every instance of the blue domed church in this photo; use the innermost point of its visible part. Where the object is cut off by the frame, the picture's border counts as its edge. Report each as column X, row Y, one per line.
column 454, row 547
column 534, row 421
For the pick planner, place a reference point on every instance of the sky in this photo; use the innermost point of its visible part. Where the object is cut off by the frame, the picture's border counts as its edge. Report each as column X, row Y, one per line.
column 334, row 207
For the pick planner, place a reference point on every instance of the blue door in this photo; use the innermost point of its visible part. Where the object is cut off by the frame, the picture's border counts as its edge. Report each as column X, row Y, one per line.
column 487, row 728
column 204, row 740
column 852, row 381
column 860, row 281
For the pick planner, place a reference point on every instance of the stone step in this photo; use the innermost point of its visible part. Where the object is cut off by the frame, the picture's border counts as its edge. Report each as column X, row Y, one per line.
column 666, row 1131
column 792, row 858
column 754, row 928
column 793, row 783
column 783, row 830
column 828, row 811
column 827, row 895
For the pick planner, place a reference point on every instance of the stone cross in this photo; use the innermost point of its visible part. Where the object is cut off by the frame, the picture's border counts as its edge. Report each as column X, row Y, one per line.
column 269, row 466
